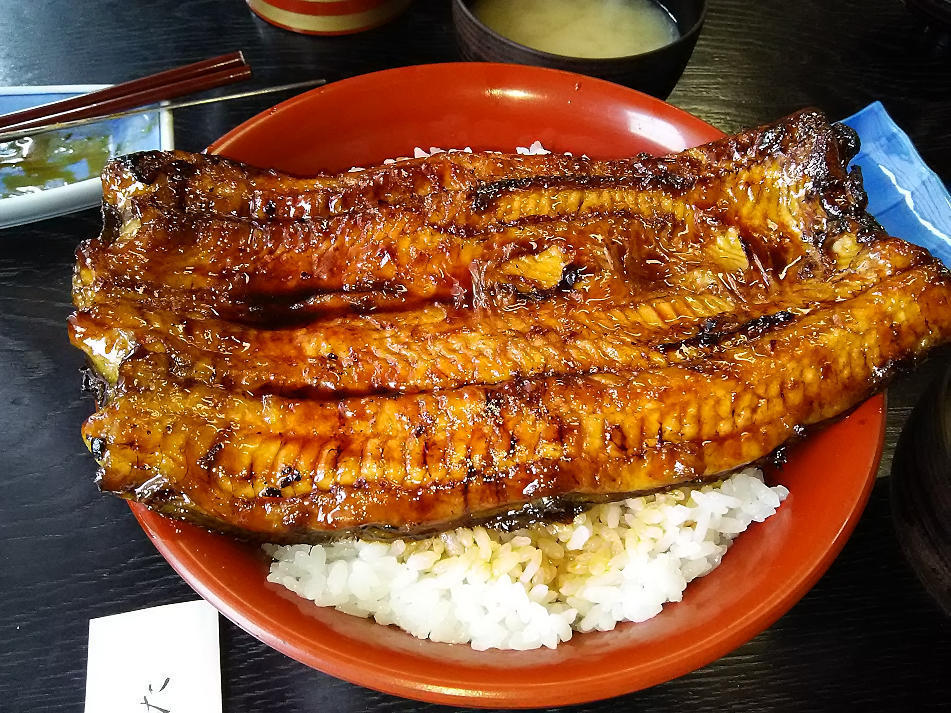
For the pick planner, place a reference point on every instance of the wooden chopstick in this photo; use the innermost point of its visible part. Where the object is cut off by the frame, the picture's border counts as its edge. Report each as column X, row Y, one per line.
column 196, row 77
column 147, row 96
column 10, row 134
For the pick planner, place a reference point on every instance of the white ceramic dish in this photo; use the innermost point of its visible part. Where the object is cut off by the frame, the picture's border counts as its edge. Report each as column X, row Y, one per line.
column 134, row 133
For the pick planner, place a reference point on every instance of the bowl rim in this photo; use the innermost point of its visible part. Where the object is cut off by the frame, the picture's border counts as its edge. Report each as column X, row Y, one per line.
column 688, row 36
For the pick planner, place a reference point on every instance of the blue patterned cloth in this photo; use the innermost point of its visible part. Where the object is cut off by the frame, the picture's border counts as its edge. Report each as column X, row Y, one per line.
column 904, row 195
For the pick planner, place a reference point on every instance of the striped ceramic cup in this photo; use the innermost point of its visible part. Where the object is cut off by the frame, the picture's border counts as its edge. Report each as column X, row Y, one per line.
column 327, row 17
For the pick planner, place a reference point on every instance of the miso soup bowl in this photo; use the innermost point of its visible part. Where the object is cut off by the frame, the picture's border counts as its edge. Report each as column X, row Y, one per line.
column 655, row 72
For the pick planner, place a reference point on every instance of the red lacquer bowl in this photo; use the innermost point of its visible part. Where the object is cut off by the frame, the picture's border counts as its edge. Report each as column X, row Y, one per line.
column 368, row 118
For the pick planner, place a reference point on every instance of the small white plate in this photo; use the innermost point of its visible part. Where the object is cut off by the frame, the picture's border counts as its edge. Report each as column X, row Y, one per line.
column 141, row 132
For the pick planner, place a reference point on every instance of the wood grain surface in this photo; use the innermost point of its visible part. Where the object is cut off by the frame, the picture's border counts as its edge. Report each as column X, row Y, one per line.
column 867, row 637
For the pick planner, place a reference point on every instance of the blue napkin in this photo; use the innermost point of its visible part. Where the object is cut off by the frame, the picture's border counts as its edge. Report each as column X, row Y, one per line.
column 904, row 195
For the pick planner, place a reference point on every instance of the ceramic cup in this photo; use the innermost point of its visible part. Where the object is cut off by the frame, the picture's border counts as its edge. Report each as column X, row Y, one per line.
column 327, row 17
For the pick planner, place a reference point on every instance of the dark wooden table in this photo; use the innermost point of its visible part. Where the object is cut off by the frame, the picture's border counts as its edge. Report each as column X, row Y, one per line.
column 867, row 636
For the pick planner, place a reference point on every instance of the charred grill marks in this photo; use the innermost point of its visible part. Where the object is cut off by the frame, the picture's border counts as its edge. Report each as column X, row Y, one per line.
column 469, row 336
column 710, row 336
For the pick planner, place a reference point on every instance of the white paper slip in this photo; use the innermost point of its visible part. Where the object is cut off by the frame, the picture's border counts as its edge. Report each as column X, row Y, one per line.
column 157, row 660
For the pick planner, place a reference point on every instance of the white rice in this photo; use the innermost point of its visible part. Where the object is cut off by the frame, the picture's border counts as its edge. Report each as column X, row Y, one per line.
column 533, row 587
column 534, row 149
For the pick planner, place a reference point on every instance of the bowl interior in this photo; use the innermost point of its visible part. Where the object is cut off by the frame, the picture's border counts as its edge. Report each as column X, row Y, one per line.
column 688, row 15
column 368, row 118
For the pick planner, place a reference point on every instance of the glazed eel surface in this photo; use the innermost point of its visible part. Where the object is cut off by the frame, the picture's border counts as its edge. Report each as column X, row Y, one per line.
column 393, row 351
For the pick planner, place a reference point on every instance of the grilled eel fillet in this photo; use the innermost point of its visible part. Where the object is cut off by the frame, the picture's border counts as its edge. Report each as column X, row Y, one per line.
column 394, row 351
